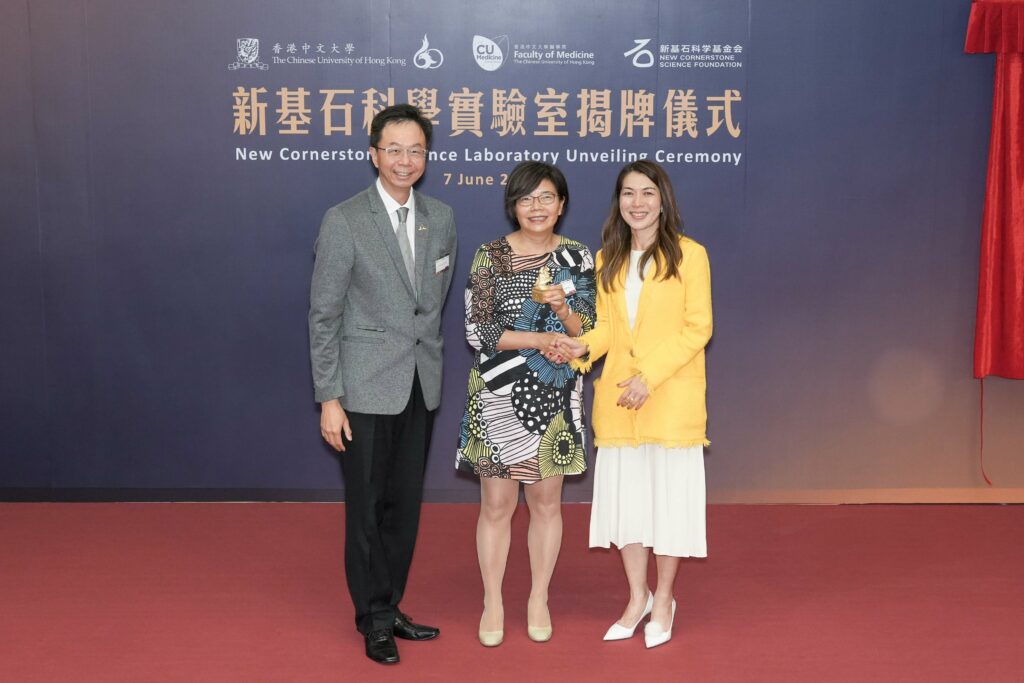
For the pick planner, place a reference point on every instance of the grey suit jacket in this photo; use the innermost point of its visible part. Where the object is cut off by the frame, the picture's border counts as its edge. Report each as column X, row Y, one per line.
column 368, row 330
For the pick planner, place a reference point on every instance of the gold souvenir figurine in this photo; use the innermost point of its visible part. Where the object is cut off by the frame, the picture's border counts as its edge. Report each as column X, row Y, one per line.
column 542, row 285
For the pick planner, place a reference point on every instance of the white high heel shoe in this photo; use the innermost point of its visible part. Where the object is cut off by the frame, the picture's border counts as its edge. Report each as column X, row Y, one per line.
column 617, row 632
column 654, row 636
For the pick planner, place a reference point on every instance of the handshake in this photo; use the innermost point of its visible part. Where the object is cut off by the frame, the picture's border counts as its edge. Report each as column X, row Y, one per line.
column 558, row 348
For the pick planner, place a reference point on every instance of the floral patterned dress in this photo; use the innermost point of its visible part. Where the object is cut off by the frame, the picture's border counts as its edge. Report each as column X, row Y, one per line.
column 524, row 413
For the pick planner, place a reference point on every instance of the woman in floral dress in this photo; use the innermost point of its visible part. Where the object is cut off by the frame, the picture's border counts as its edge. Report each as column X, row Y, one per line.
column 524, row 411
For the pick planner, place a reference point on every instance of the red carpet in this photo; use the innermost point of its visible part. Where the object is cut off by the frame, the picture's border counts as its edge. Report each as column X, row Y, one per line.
column 255, row 592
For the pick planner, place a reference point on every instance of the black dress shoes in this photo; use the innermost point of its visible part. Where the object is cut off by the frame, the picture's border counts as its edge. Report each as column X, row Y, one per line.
column 380, row 647
column 407, row 630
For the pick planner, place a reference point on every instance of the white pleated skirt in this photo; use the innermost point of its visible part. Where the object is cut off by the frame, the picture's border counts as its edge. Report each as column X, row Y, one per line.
column 650, row 495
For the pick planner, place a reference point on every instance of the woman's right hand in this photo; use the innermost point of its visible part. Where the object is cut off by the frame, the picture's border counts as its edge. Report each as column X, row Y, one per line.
column 571, row 348
column 548, row 343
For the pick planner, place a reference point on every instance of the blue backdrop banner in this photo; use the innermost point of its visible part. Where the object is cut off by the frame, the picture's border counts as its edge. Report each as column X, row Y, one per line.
column 165, row 168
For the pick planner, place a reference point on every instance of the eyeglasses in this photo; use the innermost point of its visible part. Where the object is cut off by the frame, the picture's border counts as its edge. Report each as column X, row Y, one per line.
column 545, row 199
column 415, row 154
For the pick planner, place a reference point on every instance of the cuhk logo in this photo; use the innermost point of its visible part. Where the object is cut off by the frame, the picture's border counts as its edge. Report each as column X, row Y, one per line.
column 428, row 57
column 248, row 55
column 490, row 54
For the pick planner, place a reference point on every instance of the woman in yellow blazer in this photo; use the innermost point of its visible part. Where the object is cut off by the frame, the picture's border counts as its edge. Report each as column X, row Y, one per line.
column 649, row 417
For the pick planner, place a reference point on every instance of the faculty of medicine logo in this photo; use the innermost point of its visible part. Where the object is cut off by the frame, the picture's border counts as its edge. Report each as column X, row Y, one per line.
column 248, row 55
column 488, row 53
column 428, row 57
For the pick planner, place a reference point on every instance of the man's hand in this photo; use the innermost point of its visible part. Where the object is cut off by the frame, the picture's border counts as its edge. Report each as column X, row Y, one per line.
column 334, row 421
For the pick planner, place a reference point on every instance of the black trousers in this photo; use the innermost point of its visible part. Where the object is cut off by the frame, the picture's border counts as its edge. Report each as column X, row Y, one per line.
column 383, row 467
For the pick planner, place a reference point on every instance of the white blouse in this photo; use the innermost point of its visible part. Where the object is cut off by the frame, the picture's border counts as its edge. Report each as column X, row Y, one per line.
column 634, row 285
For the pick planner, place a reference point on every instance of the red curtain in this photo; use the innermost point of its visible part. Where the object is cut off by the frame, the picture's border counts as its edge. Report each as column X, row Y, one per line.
column 998, row 26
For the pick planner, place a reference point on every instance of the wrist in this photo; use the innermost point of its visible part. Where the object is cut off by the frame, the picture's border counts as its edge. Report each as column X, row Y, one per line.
column 332, row 406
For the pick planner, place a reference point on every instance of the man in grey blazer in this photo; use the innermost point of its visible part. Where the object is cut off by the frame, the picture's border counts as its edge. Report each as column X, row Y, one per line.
column 384, row 263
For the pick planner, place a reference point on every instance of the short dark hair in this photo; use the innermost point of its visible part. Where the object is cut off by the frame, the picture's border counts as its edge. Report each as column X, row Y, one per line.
column 525, row 178
column 397, row 113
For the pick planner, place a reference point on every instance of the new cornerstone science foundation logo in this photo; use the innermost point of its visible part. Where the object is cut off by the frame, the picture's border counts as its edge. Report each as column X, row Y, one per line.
column 685, row 55
column 642, row 57
column 428, row 57
column 248, row 55
column 490, row 54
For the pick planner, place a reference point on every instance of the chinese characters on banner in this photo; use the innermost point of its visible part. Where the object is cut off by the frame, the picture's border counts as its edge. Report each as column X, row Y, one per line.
column 680, row 113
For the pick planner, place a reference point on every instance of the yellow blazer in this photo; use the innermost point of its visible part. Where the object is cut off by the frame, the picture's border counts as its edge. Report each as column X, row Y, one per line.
column 666, row 346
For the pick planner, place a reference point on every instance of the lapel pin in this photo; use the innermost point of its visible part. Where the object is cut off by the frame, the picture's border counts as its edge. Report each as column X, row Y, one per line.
column 421, row 228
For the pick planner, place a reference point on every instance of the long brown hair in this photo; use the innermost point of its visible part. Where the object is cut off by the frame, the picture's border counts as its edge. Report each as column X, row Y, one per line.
column 616, row 236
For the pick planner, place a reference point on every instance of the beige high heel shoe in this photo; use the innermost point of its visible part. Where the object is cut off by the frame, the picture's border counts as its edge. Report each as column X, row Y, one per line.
column 490, row 638
column 540, row 634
